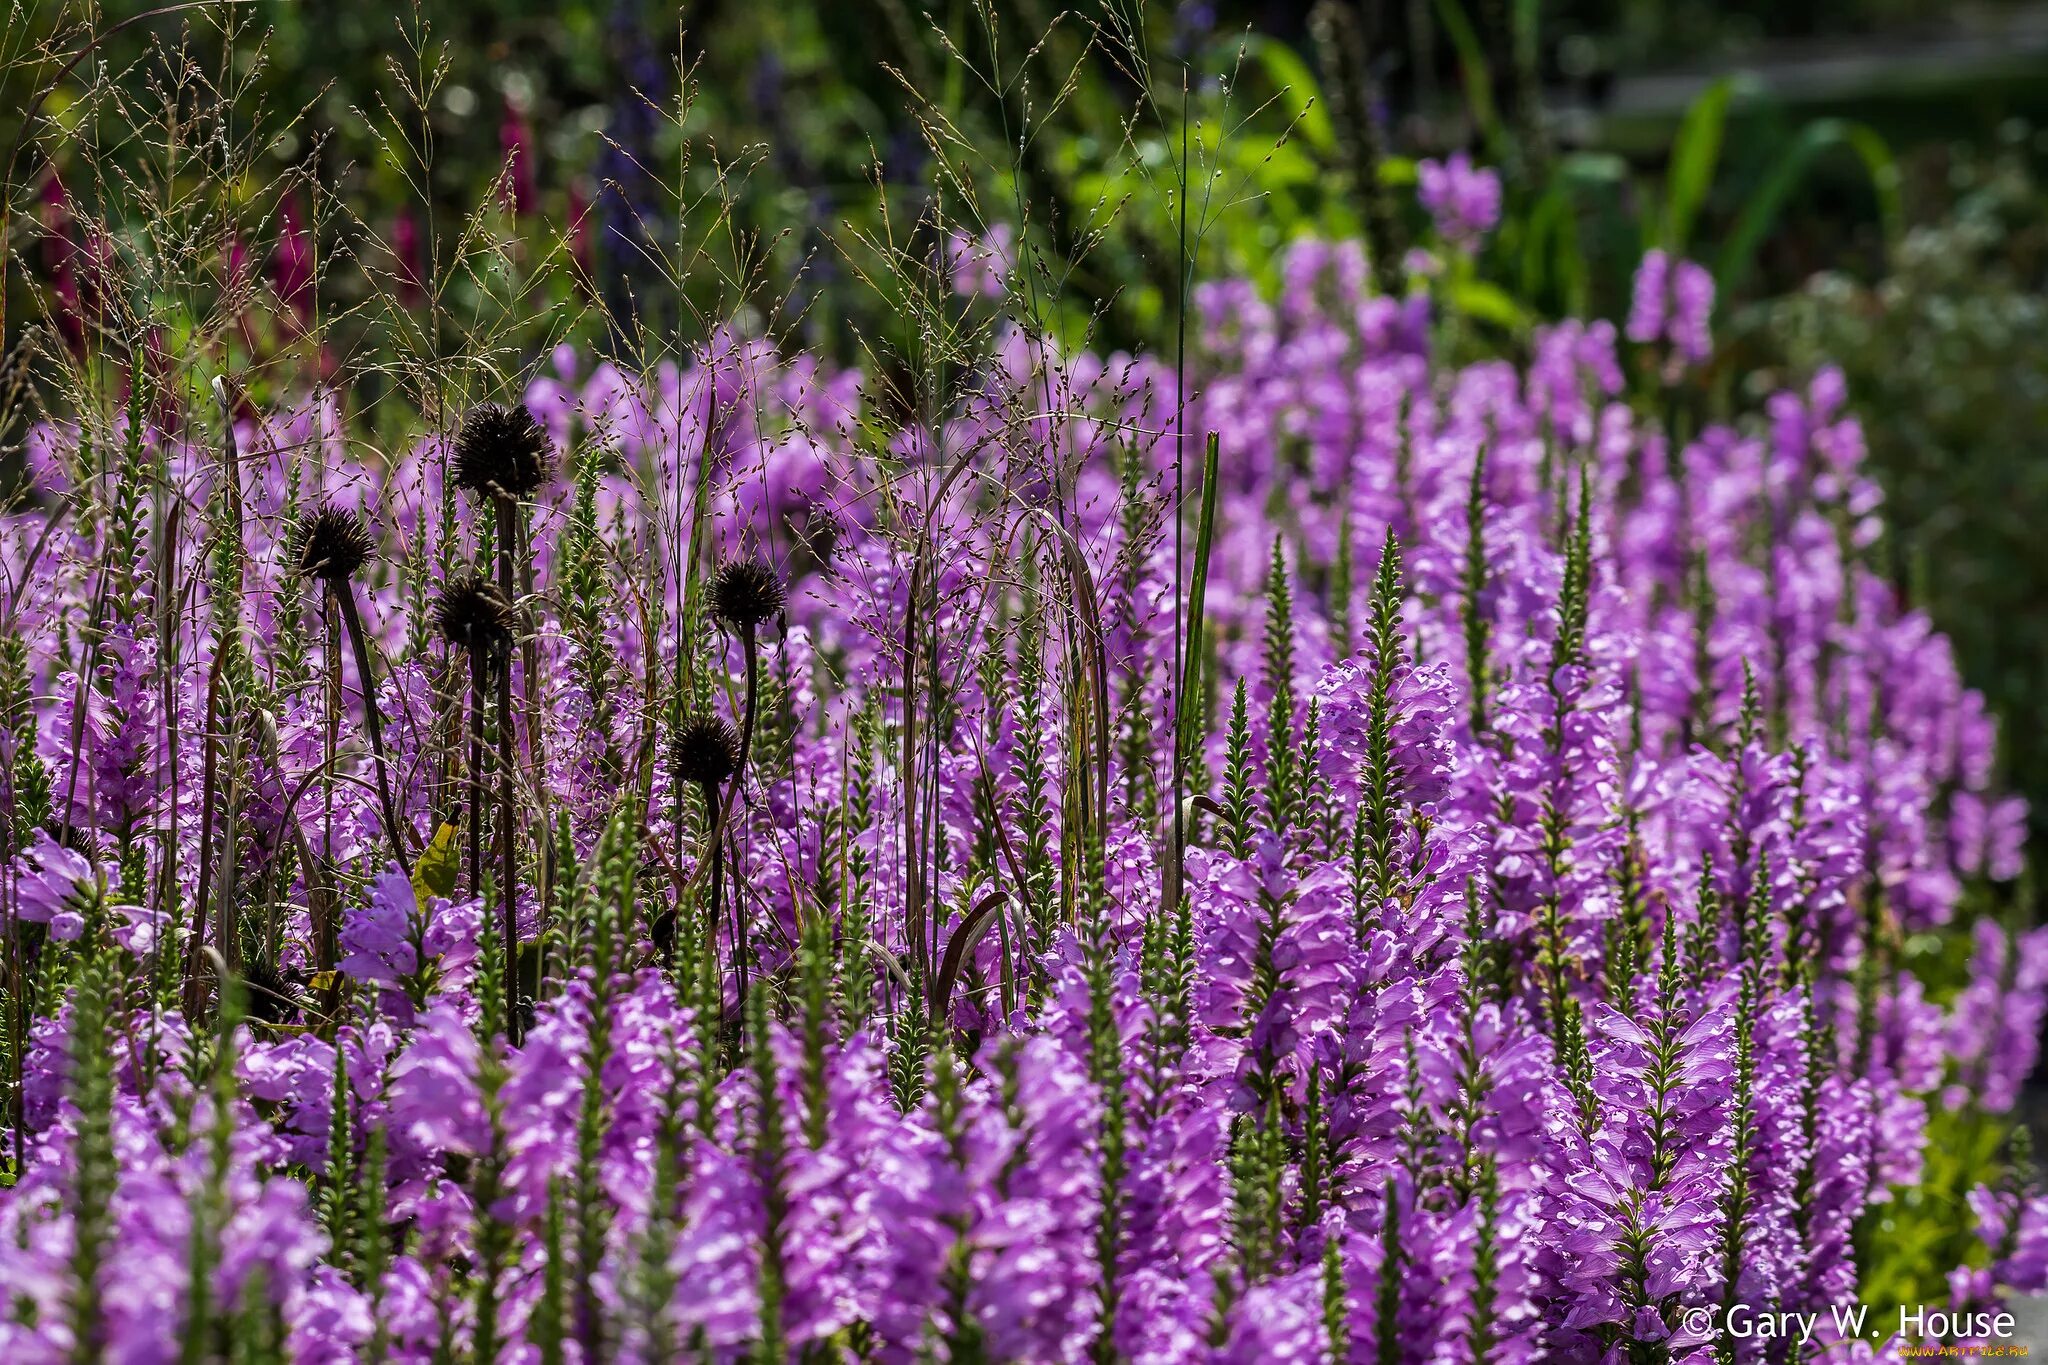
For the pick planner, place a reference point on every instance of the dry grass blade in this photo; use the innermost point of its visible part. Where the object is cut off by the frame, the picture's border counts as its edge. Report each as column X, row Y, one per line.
column 974, row 926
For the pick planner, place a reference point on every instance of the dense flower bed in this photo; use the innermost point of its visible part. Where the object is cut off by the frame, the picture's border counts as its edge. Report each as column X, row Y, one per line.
column 1563, row 793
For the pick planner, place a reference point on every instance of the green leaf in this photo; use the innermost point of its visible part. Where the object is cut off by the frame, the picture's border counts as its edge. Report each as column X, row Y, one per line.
column 1487, row 302
column 1694, row 154
column 1397, row 172
column 1592, row 168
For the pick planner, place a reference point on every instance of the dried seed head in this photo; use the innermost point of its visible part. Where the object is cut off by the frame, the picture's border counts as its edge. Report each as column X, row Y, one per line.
column 745, row 592
column 502, row 450
column 706, row 751
column 662, row 932
column 475, row 616
column 333, row 543
column 272, row 996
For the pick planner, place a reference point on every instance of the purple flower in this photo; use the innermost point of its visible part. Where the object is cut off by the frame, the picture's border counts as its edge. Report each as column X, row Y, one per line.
column 1419, row 709
column 392, row 941
column 1692, row 300
column 380, row 939
column 53, row 885
column 1651, row 304
column 434, row 1102
column 1674, row 302
column 1463, row 199
column 1995, row 1024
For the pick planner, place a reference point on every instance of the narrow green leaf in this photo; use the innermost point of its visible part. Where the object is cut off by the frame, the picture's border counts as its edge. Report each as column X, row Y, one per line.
column 1695, row 153
column 1191, row 663
column 1475, row 72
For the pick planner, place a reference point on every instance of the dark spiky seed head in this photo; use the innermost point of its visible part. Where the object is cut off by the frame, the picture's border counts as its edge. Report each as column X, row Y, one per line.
column 706, row 751
column 270, row 996
column 745, row 592
column 475, row 616
column 502, row 450
column 333, row 543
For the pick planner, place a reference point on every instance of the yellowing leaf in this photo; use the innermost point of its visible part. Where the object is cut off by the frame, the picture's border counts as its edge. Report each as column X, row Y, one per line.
column 434, row 873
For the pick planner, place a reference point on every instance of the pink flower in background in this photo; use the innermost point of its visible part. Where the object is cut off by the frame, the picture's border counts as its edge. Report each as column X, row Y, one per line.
column 408, row 249
column 981, row 266
column 515, row 139
column 291, row 268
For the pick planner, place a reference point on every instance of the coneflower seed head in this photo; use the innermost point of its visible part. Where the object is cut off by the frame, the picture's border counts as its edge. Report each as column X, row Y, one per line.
column 501, row 450
column 706, row 751
column 746, row 592
column 475, row 616
column 333, row 543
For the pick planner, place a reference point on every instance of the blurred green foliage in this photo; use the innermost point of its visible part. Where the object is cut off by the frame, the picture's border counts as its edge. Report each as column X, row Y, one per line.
column 1947, row 358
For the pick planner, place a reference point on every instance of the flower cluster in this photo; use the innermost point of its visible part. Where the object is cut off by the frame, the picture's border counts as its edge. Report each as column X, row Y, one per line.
column 1674, row 301
column 1463, row 199
column 872, row 899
